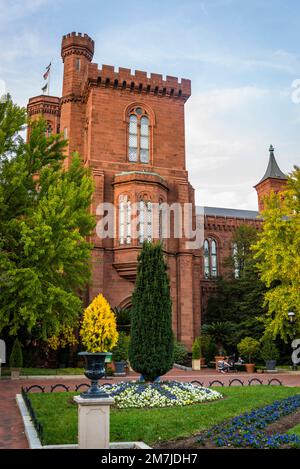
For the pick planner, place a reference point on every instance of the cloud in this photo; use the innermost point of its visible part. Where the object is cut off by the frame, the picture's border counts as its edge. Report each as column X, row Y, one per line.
column 226, row 144
column 14, row 10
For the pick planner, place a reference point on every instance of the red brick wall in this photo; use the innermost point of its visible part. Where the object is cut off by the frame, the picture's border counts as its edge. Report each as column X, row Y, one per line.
column 268, row 185
column 93, row 109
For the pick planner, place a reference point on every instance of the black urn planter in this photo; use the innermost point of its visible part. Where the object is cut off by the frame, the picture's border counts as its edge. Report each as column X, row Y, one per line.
column 271, row 365
column 120, row 367
column 94, row 370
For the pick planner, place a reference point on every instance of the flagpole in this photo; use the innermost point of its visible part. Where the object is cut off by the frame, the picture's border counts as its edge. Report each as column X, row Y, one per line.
column 49, row 80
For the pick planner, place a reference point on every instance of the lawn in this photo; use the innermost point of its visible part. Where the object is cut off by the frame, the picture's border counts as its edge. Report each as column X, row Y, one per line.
column 45, row 371
column 295, row 430
column 58, row 414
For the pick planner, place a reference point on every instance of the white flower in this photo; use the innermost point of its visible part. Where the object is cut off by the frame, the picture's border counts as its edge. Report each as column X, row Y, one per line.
column 164, row 394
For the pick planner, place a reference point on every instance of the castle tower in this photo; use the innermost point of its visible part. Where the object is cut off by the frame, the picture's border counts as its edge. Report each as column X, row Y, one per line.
column 274, row 180
column 128, row 126
column 77, row 51
column 47, row 107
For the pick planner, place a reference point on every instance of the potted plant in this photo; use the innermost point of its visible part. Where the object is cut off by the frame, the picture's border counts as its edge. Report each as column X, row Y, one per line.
column 120, row 353
column 16, row 360
column 219, row 332
column 196, row 354
column 99, row 335
column 249, row 347
column 206, row 345
column 269, row 353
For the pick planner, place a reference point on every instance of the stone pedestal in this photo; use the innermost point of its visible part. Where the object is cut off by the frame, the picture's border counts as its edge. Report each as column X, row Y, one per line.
column 93, row 422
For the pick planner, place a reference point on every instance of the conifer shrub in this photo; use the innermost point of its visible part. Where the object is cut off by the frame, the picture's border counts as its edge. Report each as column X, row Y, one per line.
column 99, row 328
column 151, row 344
column 16, row 356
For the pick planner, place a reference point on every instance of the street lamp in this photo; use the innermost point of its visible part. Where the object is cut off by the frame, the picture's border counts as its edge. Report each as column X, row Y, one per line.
column 291, row 316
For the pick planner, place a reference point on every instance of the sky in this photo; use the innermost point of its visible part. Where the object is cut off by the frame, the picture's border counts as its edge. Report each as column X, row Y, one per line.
column 243, row 58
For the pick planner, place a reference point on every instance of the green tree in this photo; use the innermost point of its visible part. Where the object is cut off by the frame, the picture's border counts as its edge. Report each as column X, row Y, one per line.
column 45, row 219
column 277, row 252
column 239, row 298
column 151, row 344
column 16, row 356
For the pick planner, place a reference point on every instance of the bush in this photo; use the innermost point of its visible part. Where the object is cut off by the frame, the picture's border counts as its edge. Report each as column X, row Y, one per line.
column 180, row 353
column 99, row 329
column 196, row 349
column 248, row 347
column 269, row 350
column 122, row 318
column 16, row 356
column 208, row 347
column 120, row 352
column 151, row 344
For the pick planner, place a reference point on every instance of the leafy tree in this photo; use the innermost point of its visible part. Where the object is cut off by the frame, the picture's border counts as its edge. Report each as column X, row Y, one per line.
column 239, row 300
column 248, row 347
column 277, row 252
column 45, row 219
column 151, row 345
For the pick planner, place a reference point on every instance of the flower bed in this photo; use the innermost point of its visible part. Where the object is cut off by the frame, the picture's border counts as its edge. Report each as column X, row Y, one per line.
column 246, row 430
column 164, row 394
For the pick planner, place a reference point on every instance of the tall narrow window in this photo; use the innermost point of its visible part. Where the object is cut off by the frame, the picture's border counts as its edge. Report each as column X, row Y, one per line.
column 145, row 221
column 133, row 138
column 235, row 260
column 213, row 259
column 210, row 258
column 49, row 129
column 138, row 136
column 124, row 220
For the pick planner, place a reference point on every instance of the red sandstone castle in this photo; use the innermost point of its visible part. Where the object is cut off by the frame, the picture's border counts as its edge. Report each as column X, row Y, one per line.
column 129, row 129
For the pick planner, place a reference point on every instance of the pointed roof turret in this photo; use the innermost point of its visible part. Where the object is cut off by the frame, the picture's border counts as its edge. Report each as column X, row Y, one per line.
column 273, row 171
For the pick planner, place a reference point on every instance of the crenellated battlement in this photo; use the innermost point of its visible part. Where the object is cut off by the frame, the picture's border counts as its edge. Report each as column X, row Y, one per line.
column 77, row 43
column 43, row 104
column 139, row 82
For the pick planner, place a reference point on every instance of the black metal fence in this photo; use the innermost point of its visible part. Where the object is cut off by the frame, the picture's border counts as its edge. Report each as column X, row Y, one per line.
column 37, row 424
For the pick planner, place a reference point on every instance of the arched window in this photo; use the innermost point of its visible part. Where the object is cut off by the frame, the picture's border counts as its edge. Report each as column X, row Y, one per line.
column 210, row 252
column 145, row 221
column 138, row 136
column 124, row 220
column 213, row 259
column 206, row 259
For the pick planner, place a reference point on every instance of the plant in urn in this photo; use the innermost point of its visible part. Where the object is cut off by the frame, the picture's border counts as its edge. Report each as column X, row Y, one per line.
column 98, row 335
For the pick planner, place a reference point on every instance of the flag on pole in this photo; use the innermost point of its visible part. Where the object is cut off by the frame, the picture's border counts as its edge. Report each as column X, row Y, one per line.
column 46, row 74
column 44, row 88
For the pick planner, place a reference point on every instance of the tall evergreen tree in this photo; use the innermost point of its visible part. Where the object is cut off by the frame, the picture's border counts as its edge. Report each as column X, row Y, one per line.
column 151, row 344
column 44, row 222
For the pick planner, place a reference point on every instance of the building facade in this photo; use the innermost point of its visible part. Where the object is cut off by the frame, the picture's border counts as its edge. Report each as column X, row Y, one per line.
column 129, row 129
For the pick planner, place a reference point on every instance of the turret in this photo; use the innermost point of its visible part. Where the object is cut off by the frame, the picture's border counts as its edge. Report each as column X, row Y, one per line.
column 274, row 180
column 77, row 52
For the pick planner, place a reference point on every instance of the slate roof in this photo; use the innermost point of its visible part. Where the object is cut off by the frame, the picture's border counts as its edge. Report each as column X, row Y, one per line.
column 227, row 212
column 273, row 170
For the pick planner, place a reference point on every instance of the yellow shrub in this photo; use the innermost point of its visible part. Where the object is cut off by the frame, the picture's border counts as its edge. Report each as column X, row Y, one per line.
column 99, row 329
column 65, row 338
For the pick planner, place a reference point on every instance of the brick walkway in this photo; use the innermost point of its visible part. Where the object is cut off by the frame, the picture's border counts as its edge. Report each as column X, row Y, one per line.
column 12, row 434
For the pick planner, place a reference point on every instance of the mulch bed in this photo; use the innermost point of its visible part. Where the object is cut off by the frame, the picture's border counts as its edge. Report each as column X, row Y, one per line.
column 280, row 426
